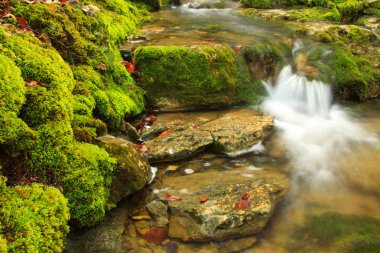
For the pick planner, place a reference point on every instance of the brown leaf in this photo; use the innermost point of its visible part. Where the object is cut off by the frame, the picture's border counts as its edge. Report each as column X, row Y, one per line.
column 141, row 147
column 140, row 127
column 237, row 49
column 23, row 24
column 172, row 198
column 156, row 236
column 103, row 67
column 195, row 127
column 164, row 133
column 203, row 199
column 151, row 118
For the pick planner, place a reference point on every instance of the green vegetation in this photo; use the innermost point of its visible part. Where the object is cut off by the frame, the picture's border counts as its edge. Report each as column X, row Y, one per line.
column 332, row 232
column 193, row 77
column 32, row 218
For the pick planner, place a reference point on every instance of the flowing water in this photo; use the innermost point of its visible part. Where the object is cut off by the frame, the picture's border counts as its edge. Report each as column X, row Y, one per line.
column 330, row 152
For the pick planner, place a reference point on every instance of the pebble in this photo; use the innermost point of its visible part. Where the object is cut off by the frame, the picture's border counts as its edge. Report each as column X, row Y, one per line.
column 189, row 171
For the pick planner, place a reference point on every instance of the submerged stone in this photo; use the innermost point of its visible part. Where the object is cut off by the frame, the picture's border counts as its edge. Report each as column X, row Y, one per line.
column 218, row 218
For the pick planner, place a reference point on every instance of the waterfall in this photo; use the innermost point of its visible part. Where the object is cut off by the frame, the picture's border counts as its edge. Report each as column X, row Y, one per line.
column 315, row 131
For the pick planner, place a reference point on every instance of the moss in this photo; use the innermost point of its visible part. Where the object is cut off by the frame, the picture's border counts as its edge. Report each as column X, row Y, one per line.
column 86, row 182
column 333, row 232
column 349, row 10
column 34, row 218
column 352, row 77
column 189, row 75
column 15, row 135
column 265, row 4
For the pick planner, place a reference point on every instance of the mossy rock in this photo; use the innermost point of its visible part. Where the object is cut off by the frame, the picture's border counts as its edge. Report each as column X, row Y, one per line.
column 178, row 77
column 269, row 4
column 132, row 171
column 86, row 182
column 334, row 232
column 33, row 219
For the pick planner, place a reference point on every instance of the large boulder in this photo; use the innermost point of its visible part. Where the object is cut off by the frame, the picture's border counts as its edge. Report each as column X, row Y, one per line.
column 225, row 214
column 179, row 77
column 229, row 134
column 132, row 172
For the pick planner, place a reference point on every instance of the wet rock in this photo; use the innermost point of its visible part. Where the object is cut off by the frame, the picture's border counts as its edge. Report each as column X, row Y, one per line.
column 304, row 67
column 181, row 140
column 233, row 133
column 159, row 212
column 227, row 134
column 217, row 219
column 133, row 170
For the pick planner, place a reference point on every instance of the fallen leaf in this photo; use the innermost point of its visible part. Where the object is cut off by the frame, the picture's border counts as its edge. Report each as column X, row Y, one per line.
column 151, row 118
column 195, row 127
column 23, row 24
column 141, row 217
column 156, row 236
column 203, row 199
column 172, row 198
column 51, row 7
column 237, row 49
column 141, row 147
column 103, row 67
column 243, row 203
column 128, row 66
column 140, row 127
column 164, row 133
column 172, row 168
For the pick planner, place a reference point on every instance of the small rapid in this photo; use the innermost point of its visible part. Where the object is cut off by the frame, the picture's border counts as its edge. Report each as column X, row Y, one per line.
column 314, row 130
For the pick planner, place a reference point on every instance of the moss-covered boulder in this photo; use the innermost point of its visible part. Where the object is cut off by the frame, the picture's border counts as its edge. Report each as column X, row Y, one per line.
column 132, row 171
column 33, row 218
column 86, row 183
column 178, row 77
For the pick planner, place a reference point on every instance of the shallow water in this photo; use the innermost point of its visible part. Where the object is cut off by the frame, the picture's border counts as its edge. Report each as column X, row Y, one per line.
column 353, row 166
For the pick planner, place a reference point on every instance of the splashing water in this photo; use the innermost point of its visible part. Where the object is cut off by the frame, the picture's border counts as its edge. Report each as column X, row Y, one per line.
column 314, row 130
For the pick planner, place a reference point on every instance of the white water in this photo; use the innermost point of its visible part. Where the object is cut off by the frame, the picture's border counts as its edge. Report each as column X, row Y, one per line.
column 315, row 131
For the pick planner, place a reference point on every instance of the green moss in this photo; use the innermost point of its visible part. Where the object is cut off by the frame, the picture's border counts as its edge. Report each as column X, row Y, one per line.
column 350, row 10
column 33, row 218
column 86, row 182
column 332, row 232
column 260, row 4
column 198, row 76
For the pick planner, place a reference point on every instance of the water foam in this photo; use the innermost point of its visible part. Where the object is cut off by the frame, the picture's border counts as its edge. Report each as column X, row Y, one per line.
column 315, row 131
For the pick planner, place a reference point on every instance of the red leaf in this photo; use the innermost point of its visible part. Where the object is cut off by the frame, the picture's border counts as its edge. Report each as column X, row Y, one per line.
column 195, row 127
column 243, row 203
column 128, row 66
column 164, row 133
column 156, row 236
column 203, row 199
column 151, row 118
column 103, row 67
column 237, row 49
column 141, row 147
column 23, row 24
column 172, row 198
column 140, row 127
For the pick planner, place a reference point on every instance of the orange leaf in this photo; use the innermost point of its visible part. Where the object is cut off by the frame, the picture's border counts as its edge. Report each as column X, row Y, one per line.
column 51, row 7
column 195, row 127
column 128, row 66
column 156, row 236
column 164, row 133
column 237, row 49
column 23, row 24
column 243, row 203
column 203, row 199
column 172, row 198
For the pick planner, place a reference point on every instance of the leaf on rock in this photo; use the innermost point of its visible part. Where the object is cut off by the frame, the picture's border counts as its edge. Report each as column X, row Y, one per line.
column 172, row 198
column 141, row 147
column 164, row 133
column 156, row 236
column 243, row 203
column 151, row 118
column 203, row 199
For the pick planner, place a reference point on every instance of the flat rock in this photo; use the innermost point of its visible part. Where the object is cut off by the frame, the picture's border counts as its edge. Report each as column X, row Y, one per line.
column 217, row 219
column 227, row 134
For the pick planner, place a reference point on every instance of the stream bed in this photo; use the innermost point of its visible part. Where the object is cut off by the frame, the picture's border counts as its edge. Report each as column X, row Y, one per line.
column 333, row 204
